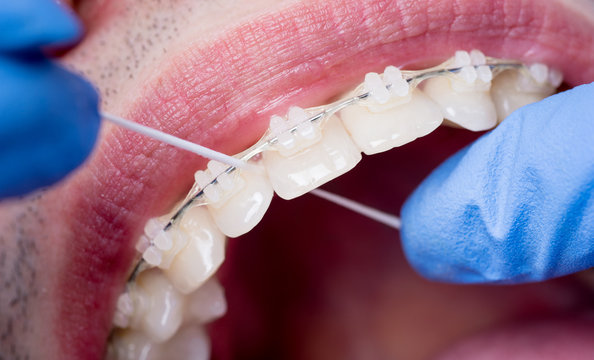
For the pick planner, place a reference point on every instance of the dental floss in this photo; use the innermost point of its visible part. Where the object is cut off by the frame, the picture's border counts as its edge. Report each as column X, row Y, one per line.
column 369, row 212
column 175, row 141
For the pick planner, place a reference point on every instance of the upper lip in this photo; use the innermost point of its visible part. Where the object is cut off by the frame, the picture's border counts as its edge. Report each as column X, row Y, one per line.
column 210, row 93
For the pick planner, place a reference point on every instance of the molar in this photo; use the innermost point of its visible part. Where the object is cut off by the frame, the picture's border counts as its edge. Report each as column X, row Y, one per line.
column 513, row 89
column 296, row 172
column 201, row 256
column 407, row 114
column 464, row 97
column 238, row 200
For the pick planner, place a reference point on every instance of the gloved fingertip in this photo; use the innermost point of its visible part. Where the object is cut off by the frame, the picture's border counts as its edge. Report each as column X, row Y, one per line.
column 49, row 24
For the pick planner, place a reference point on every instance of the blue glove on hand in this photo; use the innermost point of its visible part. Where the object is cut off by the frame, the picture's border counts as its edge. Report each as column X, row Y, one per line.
column 48, row 116
column 515, row 206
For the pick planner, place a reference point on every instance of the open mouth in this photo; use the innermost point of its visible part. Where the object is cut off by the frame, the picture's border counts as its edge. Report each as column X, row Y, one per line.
column 311, row 280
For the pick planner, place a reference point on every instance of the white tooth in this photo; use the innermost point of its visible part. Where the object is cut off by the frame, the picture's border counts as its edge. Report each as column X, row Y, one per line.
column 132, row 345
column 333, row 155
column 202, row 255
column 152, row 256
column 190, row 343
column 463, row 102
column 246, row 204
column 376, row 88
column 207, row 303
column 379, row 129
column 158, row 306
column 513, row 89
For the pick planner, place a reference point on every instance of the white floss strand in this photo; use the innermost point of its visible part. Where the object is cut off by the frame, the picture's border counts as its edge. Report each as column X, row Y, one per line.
column 175, row 141
column 369, row 212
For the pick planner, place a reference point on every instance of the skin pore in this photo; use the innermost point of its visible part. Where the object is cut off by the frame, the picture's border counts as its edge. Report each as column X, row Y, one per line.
column 213, row 72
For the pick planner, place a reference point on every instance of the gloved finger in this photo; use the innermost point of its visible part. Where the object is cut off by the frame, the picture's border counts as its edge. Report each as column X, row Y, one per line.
column 31, row 24
column 515, row 206
column 48, row 124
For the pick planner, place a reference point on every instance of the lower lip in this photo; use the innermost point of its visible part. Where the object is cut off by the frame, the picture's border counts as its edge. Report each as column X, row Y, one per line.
column 118, row 192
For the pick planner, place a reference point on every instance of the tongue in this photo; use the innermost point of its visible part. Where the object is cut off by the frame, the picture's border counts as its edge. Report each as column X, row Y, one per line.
column 570, row 338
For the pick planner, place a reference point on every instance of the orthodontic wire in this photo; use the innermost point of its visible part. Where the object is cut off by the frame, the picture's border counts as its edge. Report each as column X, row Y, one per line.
column 413, row 77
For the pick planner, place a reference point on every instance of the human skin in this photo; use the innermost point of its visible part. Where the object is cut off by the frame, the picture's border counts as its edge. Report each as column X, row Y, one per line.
column 213, row 72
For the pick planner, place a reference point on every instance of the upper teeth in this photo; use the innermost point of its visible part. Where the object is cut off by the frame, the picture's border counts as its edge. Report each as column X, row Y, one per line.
column 300, row 152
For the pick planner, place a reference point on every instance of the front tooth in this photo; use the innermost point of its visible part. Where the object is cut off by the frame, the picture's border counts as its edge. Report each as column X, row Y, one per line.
column 464, row 97
column 243, row 201
column 158, row 306
column 208, row 302
column 375, row 129
column 333, row 154
column 203, row 253
column 513, row 89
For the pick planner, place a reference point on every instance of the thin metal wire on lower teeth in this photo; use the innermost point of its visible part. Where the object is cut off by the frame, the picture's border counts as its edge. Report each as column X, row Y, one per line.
column 412, row 78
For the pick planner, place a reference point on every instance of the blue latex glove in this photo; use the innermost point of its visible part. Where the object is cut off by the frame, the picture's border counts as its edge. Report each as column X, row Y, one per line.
column 48, row 116
column 515, row 206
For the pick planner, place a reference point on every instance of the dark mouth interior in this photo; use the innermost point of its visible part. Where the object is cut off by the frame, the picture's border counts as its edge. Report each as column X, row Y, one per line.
column 315, row 281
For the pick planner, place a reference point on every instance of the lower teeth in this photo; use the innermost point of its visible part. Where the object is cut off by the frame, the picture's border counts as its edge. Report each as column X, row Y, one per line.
column 163, row 312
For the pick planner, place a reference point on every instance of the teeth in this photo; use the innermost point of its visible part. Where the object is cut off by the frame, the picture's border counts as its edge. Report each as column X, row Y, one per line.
column 331, row 156
column 158, row 306
column 207, row 303
column 190, row 343
column 201, row 256
column 464, row 98
column 132, row 345
column 377, row 129
column 513, row 89
column 242, row 198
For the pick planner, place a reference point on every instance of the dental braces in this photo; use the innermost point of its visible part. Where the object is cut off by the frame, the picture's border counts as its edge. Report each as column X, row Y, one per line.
column 467, row 67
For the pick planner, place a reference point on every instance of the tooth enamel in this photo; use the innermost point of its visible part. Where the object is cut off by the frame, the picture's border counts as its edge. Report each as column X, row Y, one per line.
column 329, row 157
column 513, row 89
column 237, row 201
column 207, row 303
column 238, row 213
column 131, row 345
column 190, row 343
column 376, row 88
column 201, row 256
column 464, row 98
column 377, row 129
column 158, row 306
